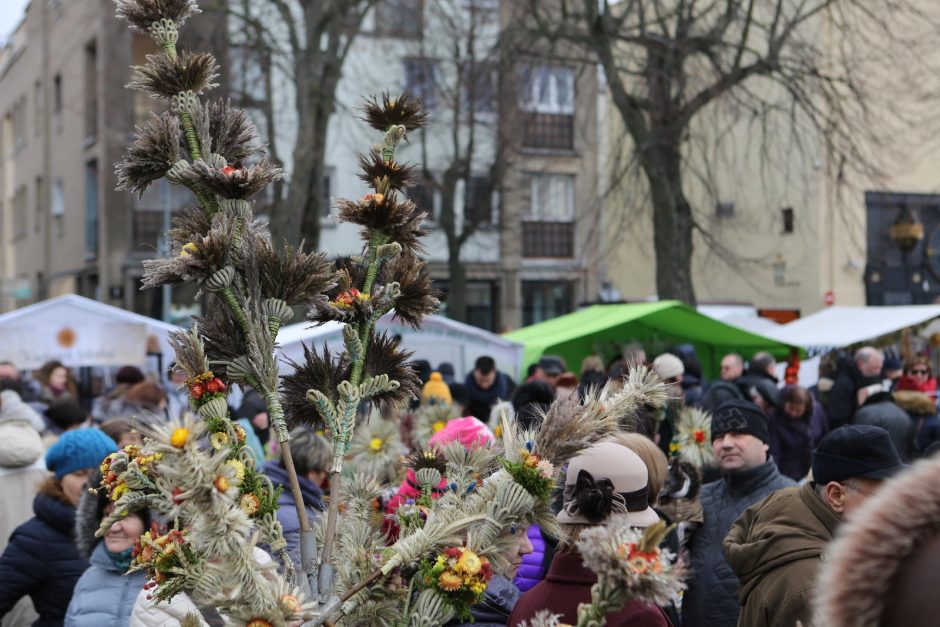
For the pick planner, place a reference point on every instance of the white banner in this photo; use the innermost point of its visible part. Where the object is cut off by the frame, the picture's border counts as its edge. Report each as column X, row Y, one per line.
column 85, row 342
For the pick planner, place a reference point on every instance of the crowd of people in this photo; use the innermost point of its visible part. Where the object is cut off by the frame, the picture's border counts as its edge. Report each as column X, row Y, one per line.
column 786, row 467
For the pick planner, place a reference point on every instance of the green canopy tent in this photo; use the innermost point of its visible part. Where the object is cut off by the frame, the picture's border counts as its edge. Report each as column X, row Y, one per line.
column 605, row 329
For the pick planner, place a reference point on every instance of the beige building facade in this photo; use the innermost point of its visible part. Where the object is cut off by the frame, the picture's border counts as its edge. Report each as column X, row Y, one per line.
column 782, row 227
column 66, row 120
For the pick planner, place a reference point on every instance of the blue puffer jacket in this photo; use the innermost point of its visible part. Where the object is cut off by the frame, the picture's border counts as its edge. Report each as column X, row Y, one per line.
column 494, row 610
column 41, row 561
column 712, row 597
column 287, row 513
column 104, row 596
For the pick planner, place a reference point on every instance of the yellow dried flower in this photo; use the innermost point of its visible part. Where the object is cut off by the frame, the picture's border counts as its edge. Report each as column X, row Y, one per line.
column 376, row 444
column 437, row 426
column 450, row 581
column 189, row 249
column 468, row 563
column 221, row 483
column 179, row 437
column 239, row 469
column 218, row 440
column 250, row 504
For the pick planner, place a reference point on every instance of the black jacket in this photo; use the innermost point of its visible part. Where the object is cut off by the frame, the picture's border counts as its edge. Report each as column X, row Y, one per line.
column 41, row 561
column 843, row 397
column 712, row 597
column 880, row 410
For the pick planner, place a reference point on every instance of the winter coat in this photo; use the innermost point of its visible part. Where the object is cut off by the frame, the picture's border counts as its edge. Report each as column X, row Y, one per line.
column 480, row 401
column 494, row 610
column 149, row 613
column 776, row 548
column 568, row 583
column 692, row 389
column 719, row 392
column 763, row 383
column 923, row 411
column 287, row 512
column 843, row 396
column 881, row 411
column 792, row 440
column 41, row 561
column 928, row 387
column 712, row 597
column 20, row 426
column 104, row 596
column 533, row 567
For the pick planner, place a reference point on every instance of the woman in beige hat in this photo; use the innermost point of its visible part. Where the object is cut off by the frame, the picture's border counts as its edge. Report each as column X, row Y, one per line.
column 605, row 480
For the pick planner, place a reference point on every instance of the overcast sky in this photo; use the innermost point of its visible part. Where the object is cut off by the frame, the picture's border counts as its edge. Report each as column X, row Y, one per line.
column 10, row 13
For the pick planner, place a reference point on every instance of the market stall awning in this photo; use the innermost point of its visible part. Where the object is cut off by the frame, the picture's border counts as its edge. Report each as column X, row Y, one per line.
column 835, row 327
column 79, row 331
column 438, row 340
column 604, row 329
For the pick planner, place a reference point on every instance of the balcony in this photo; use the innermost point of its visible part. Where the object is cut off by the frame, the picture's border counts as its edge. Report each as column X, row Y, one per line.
column 548, row 239
column 548, row 130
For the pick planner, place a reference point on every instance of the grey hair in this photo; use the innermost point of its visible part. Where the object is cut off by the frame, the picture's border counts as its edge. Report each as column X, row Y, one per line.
column 866, row 353
column 762, row 360
column 311, row 452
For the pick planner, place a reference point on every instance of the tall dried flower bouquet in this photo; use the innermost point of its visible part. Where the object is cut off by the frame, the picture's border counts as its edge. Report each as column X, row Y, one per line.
column 197, row 471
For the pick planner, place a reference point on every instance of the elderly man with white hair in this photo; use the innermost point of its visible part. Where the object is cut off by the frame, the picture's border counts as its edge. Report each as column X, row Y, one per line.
column 853, row 384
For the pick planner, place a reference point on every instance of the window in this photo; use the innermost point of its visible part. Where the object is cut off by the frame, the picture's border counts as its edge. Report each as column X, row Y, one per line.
column 91, row 208
column 326, row 194
column 724, row 209
column 787, row 214
column 91, row 91
column 427, row 198
column 546, row 89
column 37, row 215
column 141, row 46
column 478, row 200
column 544, row 300
column 57, row 101
column 19, row 213
column 479, row 86
column 37, row 107
column 420, row 80
column 551, row 197
column 399, row 18
column 58, row 199
column 19, row 124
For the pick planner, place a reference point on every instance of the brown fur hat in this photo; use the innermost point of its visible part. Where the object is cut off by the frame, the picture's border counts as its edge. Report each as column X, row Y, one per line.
column 860, row 583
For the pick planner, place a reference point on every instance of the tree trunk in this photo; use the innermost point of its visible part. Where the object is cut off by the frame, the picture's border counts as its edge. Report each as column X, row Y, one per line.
column 457, row 294
column 672, row 222
column 298, row 218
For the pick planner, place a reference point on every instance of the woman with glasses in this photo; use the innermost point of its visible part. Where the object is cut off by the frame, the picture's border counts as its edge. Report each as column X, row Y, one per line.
column 918, row 377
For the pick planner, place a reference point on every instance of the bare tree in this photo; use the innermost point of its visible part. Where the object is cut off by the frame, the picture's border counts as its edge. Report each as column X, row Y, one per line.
column 308, row 40
column 818, row 76
column 459, row 57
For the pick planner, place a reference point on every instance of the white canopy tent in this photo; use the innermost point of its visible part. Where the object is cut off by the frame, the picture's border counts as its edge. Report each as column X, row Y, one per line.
column 79, row 331
column 836, row 327
column 438, row 340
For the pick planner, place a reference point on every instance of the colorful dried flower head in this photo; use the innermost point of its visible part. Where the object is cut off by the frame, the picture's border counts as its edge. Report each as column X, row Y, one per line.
column 250, row 504
column 219, row 440
column 179, row 437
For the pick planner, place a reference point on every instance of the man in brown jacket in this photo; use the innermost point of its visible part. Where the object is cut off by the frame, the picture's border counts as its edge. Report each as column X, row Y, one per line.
column 777, row 546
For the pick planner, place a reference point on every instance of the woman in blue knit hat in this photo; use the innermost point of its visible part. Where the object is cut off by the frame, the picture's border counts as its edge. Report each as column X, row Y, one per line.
column 41, row 559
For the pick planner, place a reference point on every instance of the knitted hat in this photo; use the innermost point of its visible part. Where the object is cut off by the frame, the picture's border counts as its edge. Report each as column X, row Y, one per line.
column 864, row 451
column 469, row 431
column 77, row 450
column 607, row 479
column 737, row 416
column 435, row 390
column 668, row 366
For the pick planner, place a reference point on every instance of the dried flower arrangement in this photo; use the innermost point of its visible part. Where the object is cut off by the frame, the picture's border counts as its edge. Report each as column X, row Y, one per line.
column 197, row 471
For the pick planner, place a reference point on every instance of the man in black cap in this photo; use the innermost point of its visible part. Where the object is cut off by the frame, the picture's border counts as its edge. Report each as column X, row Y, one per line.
column 739, row 441
column 777, row 546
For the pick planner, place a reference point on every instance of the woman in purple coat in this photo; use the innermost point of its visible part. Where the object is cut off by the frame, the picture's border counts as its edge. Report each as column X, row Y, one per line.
column 534, row 565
